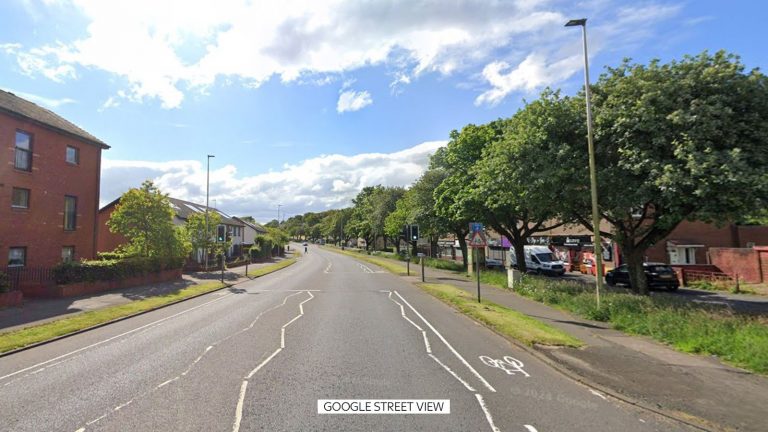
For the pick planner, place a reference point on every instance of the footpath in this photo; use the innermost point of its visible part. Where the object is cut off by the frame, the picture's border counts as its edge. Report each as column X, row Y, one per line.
column 697, row 389
column 39, row 311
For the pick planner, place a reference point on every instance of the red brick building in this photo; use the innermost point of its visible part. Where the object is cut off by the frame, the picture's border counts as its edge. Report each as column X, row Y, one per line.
column 49, row 186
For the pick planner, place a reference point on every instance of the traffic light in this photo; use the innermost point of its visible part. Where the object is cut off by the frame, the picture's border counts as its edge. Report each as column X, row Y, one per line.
column 220, row 234
column 414, row 232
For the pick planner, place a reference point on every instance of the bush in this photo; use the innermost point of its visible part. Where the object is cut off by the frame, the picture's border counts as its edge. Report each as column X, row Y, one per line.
column 5, row 283
column 112, row 269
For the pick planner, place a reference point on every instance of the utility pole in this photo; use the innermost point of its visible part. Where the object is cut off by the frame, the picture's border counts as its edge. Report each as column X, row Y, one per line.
column 207, row 193
column 592, row 170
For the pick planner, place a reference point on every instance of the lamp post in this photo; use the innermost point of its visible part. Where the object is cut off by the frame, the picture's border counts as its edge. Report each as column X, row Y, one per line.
column 207, row 193
column 592, row 171
column 278, row 215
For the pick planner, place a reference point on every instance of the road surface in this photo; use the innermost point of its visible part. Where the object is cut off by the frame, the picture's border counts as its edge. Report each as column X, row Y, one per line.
column 259, row 356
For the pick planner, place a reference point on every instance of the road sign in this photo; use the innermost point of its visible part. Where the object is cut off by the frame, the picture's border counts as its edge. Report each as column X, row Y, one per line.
column 475, row 227
column 477, row 240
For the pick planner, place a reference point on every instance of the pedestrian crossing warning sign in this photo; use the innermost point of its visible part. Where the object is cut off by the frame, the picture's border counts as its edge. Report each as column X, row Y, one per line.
column 477, row 240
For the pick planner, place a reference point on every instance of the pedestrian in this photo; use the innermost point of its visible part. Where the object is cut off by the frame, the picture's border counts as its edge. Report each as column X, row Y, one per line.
column 305, row 249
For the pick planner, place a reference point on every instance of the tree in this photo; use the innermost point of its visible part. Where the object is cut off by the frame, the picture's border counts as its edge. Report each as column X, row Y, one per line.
column 200, row 240
column 145, row 217
column 455, row 200
column 515, row 182
column 676, row 141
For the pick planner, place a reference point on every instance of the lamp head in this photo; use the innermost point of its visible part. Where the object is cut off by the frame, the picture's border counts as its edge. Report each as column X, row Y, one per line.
column 576, row 22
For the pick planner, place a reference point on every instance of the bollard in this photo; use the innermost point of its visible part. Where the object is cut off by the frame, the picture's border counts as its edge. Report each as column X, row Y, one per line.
column 221, row 257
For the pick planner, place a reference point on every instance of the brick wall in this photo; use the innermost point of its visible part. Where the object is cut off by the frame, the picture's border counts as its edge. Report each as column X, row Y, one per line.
column 741, row 261
column 706, row 234
column 40, row 228
column 107, row 241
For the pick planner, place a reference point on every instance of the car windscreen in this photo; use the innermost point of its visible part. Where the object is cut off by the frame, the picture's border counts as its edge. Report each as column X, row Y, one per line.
column 660, row 269
column 545, row 257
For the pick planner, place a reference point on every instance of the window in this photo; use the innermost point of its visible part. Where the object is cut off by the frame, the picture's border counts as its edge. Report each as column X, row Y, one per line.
column 23, row 151
column 73, row 155
column 20, row 198
column 682, row 255
column 67, row 253
column 70, row 213
column 17, row 257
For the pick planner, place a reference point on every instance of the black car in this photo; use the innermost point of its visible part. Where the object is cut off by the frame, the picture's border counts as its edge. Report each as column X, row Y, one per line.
column 657, row 274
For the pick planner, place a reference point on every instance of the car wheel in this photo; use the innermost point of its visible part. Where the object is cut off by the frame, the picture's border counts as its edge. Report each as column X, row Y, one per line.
column 609, row 281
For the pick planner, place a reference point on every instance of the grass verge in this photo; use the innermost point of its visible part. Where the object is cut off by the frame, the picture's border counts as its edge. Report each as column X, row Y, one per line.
column 390, row 265
column 43, row 332
column 261, row 271
column 504, row 320
column 689, row 327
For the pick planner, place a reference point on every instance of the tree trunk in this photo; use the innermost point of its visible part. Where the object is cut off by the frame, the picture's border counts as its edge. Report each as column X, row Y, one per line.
column 518, row 243
column 463, row 245
column 637, row 277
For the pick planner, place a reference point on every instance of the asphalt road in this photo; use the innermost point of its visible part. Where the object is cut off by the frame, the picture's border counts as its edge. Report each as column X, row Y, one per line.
column 260, row 355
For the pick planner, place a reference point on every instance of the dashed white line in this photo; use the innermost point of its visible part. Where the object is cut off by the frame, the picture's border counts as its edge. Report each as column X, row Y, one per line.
column 488, row 417
column 530, row 428
column 167, row 382
column 598, row 394
column 453, row 350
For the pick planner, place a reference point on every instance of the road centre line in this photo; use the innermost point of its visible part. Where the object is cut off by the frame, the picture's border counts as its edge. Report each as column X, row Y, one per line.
column 453, row 350
column 112, row 338
column 487, row 413
column 243, row 387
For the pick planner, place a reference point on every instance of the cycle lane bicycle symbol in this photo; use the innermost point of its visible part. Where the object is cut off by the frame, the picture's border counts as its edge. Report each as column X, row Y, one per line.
column 508, row 364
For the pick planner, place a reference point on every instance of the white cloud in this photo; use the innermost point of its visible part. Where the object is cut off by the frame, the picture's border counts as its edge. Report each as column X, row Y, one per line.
column 163, row 50
column 42, row 100
column 351, row 100
column 316, row 184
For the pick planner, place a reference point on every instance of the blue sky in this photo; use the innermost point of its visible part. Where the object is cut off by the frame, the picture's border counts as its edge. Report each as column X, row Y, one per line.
column 305, row 103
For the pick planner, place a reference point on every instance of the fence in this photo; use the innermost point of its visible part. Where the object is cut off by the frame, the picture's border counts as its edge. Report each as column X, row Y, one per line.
column 705, row 275
column 21, row 276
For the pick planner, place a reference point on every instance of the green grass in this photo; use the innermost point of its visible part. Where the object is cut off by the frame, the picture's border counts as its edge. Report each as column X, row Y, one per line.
column 39, row 333
column 43, row 332
column 504, row 320
column 261, row 271
column 388, row 264
column 689, row 327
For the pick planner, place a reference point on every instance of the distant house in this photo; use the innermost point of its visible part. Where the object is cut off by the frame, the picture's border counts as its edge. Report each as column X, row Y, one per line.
column 229, row 227
column 49, row 184
column 250, row 231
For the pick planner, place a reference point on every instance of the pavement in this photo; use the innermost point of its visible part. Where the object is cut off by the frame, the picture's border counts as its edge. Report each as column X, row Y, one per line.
column 38, row 311
column 699, row 388
column 261, row 354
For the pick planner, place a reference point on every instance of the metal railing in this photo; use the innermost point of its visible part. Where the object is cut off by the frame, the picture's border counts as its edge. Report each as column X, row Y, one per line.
column 22, row 275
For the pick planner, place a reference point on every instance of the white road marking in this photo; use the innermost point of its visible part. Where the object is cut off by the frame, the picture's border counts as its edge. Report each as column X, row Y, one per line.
column 598, row 394
column 167, row 382
column 508, row 364
column 119, row 407
column 111, row 338
column 239, row 408
column 239, row 411
column 469, row 387
column 453, row 350
column 94, row 420
column 80, row 430
column 487, row 413
column 530, row 428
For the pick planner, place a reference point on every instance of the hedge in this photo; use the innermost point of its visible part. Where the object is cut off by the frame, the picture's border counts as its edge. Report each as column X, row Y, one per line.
column 112, row 269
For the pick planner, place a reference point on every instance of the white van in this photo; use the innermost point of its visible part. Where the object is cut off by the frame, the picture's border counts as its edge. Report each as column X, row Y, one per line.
column 539, row 259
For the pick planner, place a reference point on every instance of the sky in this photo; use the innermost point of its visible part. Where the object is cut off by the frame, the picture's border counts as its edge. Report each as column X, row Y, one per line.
column 305, row 102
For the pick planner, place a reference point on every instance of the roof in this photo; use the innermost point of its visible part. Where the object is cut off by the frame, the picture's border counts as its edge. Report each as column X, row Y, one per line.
column 184, row 209
column 255, row 226
column 16, row 106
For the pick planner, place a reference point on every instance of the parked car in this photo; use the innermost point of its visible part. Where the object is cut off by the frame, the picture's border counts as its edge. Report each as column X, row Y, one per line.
column 657, row 274
column 494, row 263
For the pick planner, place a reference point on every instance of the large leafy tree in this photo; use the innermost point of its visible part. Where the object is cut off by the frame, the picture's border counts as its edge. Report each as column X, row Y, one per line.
column 516, row 180
column 145, row 217
column 200, row 240
column 676, row 141
column 455, row 199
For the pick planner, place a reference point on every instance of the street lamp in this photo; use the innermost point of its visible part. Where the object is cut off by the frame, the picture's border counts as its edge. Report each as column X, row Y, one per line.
column 207, row 192
column 592, row 172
